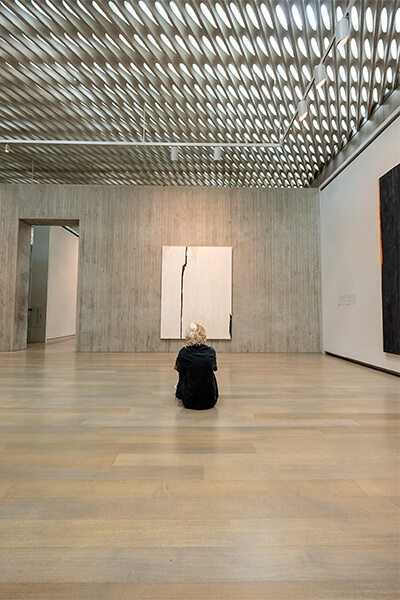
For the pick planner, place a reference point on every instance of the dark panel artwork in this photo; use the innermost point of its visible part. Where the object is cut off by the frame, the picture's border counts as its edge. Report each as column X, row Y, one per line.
column 389, row 192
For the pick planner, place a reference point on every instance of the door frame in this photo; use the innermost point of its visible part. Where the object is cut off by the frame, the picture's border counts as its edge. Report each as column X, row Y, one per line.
column 22, row 275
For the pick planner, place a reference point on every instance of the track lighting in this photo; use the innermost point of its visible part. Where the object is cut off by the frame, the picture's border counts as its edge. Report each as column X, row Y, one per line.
column 320, row 75
column 7, row 148
column 217, row 153
column 174, row 153
column 302, row 110
column 342, row 32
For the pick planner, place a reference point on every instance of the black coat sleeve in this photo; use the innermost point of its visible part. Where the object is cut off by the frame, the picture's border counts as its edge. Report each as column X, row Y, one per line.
column 214, row 361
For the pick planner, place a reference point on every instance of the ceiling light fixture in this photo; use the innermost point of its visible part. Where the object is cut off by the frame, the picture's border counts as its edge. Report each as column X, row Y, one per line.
column 302, row 110
column 7, row 148
column 320, row 75
column 217, row 153
column 342, row 32
column 174, row 153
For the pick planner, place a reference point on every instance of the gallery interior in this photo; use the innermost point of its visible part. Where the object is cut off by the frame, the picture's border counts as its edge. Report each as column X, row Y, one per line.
column 263, row 137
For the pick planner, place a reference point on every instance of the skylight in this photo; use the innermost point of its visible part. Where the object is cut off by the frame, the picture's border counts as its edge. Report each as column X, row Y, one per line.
column 191, row 63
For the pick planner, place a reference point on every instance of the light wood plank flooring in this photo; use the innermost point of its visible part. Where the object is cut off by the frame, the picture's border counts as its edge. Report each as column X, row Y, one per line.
column 109, row 489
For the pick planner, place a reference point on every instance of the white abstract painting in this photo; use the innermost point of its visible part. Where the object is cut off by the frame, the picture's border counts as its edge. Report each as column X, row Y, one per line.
column 196, row 285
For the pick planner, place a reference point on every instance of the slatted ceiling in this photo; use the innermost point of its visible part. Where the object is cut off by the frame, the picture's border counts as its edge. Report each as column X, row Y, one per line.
column 187, row 71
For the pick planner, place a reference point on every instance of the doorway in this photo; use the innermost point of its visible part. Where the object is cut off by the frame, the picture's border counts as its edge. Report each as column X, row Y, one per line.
column 47, row 311
column 53, row 279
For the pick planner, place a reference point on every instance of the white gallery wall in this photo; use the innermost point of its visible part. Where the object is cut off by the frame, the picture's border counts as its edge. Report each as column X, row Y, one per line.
column 62, row 283
column 350, row 255
column 54, row 278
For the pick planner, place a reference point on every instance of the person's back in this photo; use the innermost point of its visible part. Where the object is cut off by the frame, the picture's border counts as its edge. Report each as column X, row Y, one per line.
column 196, row 363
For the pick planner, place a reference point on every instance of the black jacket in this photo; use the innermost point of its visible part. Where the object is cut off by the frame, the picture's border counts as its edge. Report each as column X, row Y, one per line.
column 197, row 386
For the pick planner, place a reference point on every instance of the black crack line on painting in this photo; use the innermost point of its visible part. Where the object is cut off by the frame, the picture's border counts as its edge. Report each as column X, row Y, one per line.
column 182, row 275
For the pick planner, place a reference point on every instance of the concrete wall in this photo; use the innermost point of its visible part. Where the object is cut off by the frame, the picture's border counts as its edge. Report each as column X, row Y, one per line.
column 276, row 264
column 351, row 270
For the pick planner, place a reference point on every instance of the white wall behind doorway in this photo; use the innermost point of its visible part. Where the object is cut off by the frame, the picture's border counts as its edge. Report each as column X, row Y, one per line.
column 54, row 274
column 62, row 283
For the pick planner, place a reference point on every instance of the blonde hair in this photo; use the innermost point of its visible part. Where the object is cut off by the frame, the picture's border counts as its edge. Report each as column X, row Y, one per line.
column 195, row 335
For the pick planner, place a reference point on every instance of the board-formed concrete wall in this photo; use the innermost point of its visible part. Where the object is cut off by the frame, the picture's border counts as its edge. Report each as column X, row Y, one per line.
column 276, row 261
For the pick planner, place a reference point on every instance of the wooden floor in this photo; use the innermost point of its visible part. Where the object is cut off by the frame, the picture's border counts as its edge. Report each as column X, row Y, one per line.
column 109, row 489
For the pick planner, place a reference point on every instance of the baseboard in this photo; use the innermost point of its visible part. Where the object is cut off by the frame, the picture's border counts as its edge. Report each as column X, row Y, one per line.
column 363, row 364
column 59, row 339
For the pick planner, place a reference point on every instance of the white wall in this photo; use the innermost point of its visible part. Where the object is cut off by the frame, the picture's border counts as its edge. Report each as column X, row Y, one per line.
column 62, row 283
column 350, row 255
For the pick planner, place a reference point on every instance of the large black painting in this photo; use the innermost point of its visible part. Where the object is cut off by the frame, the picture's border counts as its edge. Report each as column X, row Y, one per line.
column 389, row 191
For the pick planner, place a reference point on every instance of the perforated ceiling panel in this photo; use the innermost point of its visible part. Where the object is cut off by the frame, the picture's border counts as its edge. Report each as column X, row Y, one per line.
column 139, row 77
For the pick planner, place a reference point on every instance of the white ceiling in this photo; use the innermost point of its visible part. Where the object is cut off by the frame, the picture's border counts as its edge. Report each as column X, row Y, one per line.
column 142, row 75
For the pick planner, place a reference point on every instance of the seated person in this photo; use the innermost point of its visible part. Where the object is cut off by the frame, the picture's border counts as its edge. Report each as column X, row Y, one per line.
column 197, row 386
